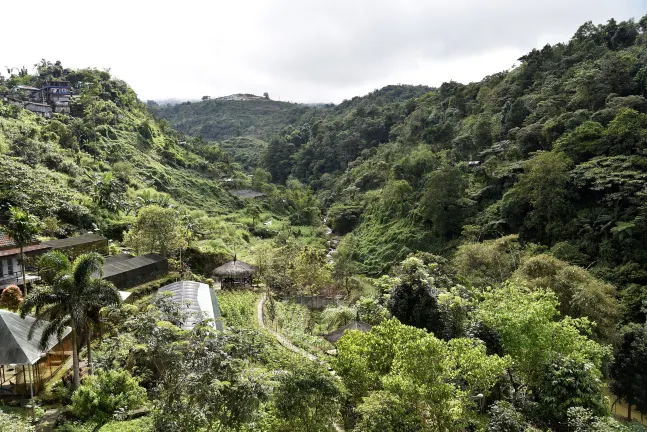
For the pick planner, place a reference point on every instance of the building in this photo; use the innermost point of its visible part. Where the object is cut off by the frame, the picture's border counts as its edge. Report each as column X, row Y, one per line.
column 85, row 243
column 58, row 94
column 235, row 273
column 41, row 109
column 125, row 271
column 10, row 270
column 24, row 367
column 200, row 300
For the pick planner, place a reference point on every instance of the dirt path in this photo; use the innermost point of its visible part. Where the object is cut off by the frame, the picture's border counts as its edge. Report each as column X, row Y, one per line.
column 285, row 342
column 282, row 340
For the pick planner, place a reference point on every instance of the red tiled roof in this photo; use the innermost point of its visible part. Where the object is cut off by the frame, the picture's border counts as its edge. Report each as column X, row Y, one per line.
column 26, row 249
column 6, row 241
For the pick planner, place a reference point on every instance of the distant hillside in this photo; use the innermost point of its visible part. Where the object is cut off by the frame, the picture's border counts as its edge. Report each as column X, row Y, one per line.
column 250, row 115
column 218, row 120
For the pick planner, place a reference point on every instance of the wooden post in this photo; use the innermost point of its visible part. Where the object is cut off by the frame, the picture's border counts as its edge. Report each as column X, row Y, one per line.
column 31, row 392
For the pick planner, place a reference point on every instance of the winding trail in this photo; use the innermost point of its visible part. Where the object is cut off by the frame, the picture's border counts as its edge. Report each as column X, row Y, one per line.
column 286, row 343
column 282, row 340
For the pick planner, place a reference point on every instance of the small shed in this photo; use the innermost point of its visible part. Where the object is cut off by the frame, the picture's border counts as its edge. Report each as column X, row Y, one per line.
column 199, row 299
column 334, row 336
column 126, row 272
column 22, row 362
column 80, row 244
column 235, row 273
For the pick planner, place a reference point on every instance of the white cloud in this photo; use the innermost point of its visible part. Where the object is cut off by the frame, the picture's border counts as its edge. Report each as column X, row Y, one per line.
column 299, row 50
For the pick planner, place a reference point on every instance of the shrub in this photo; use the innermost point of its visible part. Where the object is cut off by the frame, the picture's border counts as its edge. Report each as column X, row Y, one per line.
column 101, row 395
column 13, row 423
column 11, row 298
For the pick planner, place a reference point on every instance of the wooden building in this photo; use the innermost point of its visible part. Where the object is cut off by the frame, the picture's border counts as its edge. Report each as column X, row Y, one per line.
column 24, row 367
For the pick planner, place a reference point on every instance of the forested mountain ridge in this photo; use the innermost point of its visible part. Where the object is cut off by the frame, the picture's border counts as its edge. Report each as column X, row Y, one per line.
column 552, row 150
column 109, row 157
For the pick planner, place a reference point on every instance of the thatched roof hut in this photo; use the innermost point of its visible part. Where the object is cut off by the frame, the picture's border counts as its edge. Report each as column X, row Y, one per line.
column 235, row 273
column 334, row 336
column 235, row 268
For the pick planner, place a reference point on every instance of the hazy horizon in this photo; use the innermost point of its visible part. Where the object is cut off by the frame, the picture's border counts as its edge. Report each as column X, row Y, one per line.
column 300, row 51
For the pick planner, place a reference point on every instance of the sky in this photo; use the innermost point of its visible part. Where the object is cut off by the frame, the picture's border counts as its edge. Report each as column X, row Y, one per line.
column 296, row 50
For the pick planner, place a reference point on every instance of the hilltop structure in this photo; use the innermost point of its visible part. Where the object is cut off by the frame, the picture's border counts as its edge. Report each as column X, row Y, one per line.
column 53, row 97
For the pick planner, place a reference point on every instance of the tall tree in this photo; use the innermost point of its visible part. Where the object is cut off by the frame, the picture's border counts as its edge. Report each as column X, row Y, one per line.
column 156, row 230
column 628, row 379
column 22, row 227
column 74, row 294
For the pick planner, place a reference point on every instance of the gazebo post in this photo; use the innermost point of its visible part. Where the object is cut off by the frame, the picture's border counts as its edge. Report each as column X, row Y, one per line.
column 31, row 392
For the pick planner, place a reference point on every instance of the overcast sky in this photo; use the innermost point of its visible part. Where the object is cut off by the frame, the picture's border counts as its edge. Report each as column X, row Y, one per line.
column 296, row 50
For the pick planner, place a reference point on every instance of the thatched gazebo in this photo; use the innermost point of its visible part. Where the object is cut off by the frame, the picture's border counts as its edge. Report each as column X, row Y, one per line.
column 235, row 273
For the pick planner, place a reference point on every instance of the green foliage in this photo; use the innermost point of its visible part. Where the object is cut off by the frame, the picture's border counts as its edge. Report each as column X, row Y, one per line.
column 526, row 322
column 309, row 270
column 101, row 395
column 396, row 362
column 627, row 379
column 307, row 399
column 579, row 293
column 155, row 230
column 13, row 423
column 490, row 262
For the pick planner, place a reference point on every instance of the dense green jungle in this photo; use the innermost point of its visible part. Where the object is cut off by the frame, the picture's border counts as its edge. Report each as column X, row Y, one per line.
column 491, row 237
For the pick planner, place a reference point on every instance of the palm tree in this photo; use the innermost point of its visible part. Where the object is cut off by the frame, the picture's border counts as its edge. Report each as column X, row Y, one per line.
column 22, row 228
column 73, row 298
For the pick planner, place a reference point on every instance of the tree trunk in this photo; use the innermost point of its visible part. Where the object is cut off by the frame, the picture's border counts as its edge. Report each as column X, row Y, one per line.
column 22, row 268
column 75, row 359
column 88, row 343
column 628, row 410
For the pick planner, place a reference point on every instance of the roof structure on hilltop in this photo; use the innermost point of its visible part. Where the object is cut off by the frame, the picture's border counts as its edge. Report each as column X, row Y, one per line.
column 247, row 193
column 235, row 268
column 334, row 336
column 199, row 299
column 17, row 349
column 74, row 241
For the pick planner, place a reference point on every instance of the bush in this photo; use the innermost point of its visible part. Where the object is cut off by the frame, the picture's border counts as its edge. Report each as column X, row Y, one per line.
column 11, row 298
column 101, row 395
column 14, row 423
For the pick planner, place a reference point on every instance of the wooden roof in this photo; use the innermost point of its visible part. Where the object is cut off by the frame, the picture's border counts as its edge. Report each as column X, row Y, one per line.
column 235, row 268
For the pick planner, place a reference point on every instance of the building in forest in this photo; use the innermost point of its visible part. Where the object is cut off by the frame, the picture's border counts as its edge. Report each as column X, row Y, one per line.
column 125, row 271
column 199, row 301
column 24, row 367
column 75, row 246
column 235, row 273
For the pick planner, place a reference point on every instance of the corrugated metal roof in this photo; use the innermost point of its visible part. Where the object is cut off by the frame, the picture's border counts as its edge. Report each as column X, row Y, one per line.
column 115, row 267
column 199, row 299
column 74, row 241
column 16, row 347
